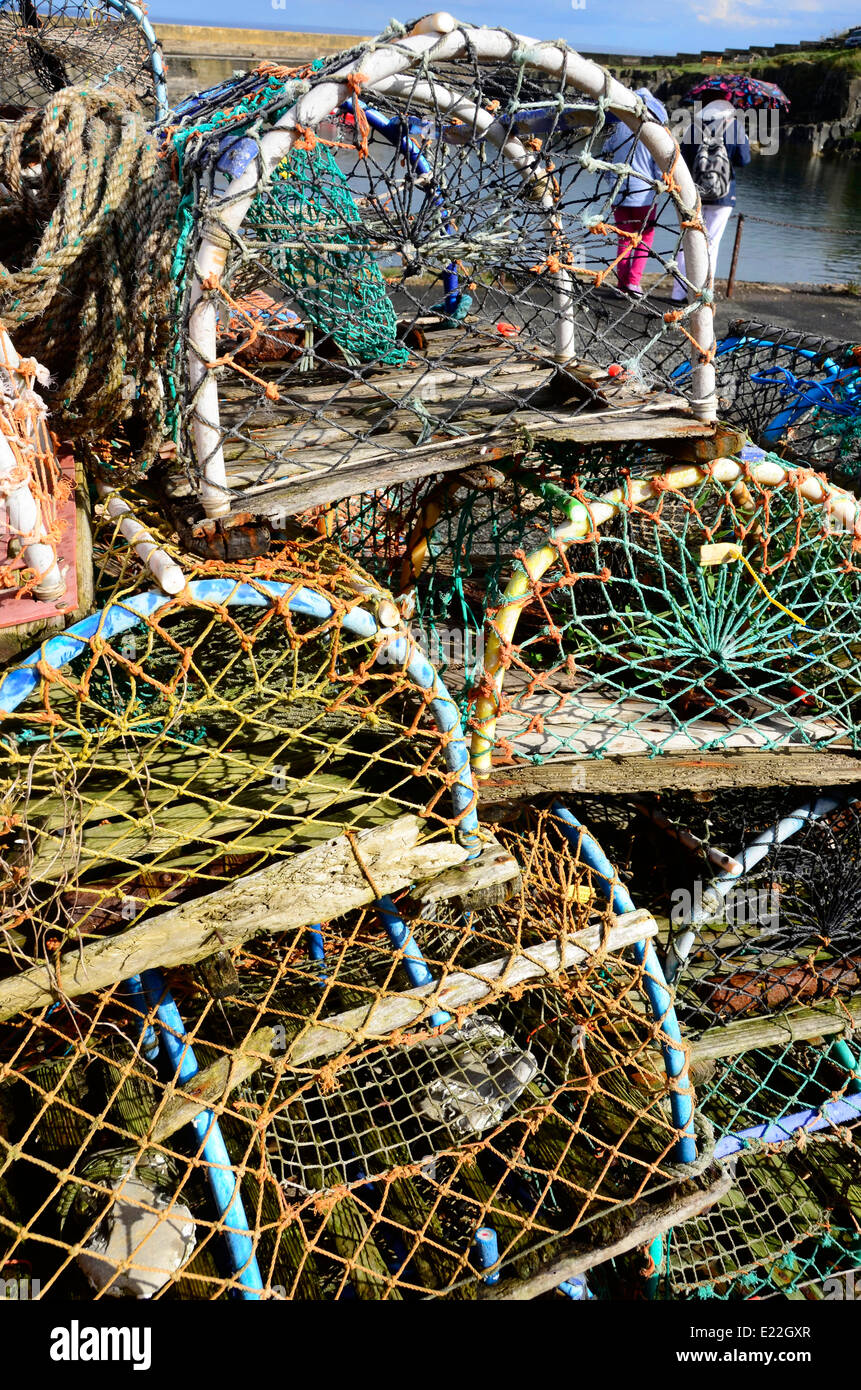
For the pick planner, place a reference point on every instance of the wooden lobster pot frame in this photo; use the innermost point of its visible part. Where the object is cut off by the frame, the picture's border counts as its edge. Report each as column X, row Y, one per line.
column 181, row 730
column 692, row 627
column 46, row 563
column 470, row 390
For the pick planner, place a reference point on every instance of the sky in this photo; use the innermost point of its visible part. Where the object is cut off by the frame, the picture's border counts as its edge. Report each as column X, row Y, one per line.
column 610, row 26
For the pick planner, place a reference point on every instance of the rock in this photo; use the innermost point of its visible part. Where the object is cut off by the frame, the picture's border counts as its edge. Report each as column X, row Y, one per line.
column 157, row 1245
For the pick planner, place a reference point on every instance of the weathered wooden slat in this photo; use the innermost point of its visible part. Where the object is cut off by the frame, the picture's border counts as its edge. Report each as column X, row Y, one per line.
column 394, row 385
column 589, row 721
column 347, row 425
column 620, row 776
column 483, row 428
column 796, row 1025
column 491, row 878
column 370, row 467
column 499, row 384
column 483, row 983
column 319, row 885
column 641, row 1223
column 212, row 1086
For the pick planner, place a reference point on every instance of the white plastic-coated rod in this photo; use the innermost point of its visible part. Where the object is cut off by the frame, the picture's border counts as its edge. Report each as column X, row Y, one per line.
column 164, row 570
column 26, row 521
column 439, row 23
column 448, row 41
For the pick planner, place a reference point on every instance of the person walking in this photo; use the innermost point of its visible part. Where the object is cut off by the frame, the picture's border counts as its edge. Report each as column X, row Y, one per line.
column 717, row 146
column 635, row 212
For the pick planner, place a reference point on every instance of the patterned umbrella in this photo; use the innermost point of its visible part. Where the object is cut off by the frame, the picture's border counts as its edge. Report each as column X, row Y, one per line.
column 742, row 91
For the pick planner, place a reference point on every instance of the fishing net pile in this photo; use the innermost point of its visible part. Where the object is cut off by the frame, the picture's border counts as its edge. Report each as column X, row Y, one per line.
column 401, row 249
column 280, row 1016
column 54, row 44
column 87, row 227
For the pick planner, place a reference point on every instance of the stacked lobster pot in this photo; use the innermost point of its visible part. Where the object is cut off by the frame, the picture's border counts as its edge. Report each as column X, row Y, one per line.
column 402, row 892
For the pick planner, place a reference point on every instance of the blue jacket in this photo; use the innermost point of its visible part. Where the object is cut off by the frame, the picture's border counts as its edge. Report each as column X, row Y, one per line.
column 621, row 146
column 738, row 149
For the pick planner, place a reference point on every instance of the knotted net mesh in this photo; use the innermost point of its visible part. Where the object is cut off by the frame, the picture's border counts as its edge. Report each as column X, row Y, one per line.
column 688, row 607
column 766, row 998
column 793, row 392
column 48, row 45
column 407, row 264
column 361, row 1133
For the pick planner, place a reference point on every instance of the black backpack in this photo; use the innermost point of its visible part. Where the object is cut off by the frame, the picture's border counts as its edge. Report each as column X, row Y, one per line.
column 712, row 169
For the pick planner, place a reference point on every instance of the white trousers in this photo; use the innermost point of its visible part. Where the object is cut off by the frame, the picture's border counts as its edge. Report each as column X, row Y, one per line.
column 715, row 219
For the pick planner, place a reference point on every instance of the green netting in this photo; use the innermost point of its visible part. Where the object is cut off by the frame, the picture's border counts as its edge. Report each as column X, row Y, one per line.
column 499, row 259
column 711, row 607
column 787, row 1224
column 791, row 1218
column 320, row 248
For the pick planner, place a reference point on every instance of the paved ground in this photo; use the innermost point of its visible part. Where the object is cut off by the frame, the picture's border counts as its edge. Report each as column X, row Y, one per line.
column 803, row 307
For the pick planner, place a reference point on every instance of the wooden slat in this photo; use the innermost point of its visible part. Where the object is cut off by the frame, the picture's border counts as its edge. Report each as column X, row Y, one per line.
column 637, row 1225
column 481, row 984
column 372, row 467
column 210, row 1088
column 587, row 723
column 796, row 1025
column 714, row 770
column 318, row 885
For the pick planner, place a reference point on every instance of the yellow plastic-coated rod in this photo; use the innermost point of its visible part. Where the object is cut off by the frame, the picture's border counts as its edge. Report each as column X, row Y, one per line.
column 585, row 519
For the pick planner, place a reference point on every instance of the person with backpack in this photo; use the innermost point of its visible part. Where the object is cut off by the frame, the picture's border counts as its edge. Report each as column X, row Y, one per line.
column 717, row 146
column 635, row 209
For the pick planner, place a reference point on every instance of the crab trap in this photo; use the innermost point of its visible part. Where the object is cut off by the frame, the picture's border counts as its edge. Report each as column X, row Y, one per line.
column 759, row 944
column 47, row 47
column 688, row 608
column 403, row 260
column 766, row 985
column 795, row 393
column 787, row 1120
column 333, row 1092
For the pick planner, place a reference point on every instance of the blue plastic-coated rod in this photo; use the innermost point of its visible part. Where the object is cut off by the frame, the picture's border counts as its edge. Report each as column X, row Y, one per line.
column 402, row 651
column 125, row 7
column 403, row 940
column 316, row 949
column 223, row 1181
column 19, row 681
column 577, row 1289
column 487, row 1252
column 759, row 846
column 143, row 1030
column 831, row 1113
column 654, row 983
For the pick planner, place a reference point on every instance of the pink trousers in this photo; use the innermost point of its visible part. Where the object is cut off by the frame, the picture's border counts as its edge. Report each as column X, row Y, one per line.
column 629, row 271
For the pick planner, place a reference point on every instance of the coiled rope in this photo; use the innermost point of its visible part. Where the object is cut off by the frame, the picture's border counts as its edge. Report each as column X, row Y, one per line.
column 87, row 230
